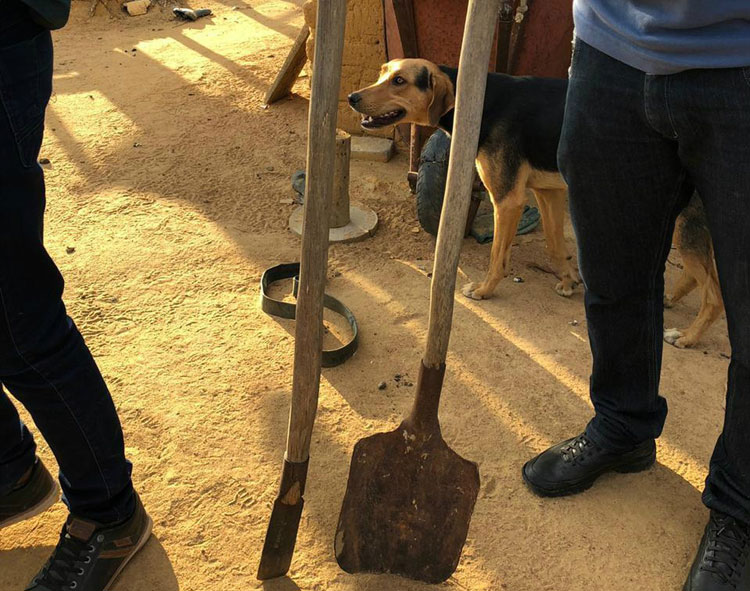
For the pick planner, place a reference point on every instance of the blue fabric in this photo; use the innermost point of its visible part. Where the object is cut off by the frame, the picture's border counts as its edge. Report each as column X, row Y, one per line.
column 44, row 362
column 667, row 36
column 633, row 149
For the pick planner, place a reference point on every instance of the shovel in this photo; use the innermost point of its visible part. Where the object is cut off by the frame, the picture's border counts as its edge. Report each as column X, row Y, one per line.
column 410, row 497
column 308, row 337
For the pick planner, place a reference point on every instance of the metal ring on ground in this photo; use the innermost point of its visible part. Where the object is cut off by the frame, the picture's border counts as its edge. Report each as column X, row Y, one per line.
column 331, row 357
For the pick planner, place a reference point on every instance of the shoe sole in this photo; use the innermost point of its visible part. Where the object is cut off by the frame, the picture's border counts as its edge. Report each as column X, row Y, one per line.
column 630, row 467
column 39, row 508
column 141, row 543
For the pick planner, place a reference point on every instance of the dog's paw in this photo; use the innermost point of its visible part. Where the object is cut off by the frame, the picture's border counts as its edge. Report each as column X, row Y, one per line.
column 474, row 291
column 675, row 337
column 565, row 288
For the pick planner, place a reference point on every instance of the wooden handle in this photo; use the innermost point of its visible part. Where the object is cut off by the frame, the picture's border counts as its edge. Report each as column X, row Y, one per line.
column 321, row 129
column 481, row 20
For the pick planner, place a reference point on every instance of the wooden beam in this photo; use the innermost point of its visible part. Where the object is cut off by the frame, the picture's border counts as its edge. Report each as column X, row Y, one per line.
column 407, row 28
column 289, row 72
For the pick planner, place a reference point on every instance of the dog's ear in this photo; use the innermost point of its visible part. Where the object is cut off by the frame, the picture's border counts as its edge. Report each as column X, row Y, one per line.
column 442, row 97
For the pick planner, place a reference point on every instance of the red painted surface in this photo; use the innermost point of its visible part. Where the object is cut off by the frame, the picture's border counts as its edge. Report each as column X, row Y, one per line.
column 440, row 28
column 544, row 49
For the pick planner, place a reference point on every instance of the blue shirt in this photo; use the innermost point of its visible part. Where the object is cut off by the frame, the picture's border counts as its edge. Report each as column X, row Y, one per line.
column 667, row 36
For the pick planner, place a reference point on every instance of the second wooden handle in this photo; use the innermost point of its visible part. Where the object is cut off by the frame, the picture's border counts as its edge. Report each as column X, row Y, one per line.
column 479, row 30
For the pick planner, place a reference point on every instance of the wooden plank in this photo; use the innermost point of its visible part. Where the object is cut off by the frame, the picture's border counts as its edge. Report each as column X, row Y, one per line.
column 406, row 25
column 289, row 72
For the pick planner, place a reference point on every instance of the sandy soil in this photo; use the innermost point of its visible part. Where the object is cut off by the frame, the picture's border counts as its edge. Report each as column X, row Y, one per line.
column 169, row 180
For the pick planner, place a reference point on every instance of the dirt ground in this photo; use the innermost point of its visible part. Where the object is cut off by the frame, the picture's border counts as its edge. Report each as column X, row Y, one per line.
column 169, row 180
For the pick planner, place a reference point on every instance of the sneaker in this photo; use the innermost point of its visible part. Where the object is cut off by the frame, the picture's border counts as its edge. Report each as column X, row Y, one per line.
column 722, row 562
column 34, row 494
column 89, row 556
column 574, row 465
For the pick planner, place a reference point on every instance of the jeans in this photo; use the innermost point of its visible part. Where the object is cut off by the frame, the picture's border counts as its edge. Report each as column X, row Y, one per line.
column 634, row 147
column 44, row 362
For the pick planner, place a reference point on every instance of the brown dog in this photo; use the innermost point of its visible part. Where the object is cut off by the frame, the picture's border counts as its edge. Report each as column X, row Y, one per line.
column 521, row 127
column 517, row 151
column 693, row 241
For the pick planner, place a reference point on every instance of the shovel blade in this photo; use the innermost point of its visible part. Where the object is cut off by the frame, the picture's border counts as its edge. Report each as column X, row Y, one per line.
column 407, row 507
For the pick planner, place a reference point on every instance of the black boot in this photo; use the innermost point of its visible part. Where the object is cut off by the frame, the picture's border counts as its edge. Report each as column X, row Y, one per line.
column 574, row 465
column 722, row 562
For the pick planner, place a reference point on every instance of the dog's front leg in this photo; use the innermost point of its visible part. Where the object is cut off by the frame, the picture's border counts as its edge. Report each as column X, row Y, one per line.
column 507, row 214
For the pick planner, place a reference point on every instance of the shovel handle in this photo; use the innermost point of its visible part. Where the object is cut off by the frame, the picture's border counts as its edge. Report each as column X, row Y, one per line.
column 481, row 20
column 321, row 128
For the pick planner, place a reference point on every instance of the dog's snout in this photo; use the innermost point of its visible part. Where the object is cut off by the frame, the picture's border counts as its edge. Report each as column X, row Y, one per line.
column 354, row 98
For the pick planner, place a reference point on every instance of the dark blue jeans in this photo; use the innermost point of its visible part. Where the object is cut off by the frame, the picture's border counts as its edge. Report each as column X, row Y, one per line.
column 634, row 148
column 44, row 362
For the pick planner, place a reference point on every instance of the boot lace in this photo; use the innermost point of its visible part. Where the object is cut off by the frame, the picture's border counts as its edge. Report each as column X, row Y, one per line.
column 725, row 555
column 67, row 565
column 576, row 449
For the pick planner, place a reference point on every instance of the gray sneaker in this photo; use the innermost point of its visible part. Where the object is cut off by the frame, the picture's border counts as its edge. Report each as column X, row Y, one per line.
column 89, row 556
column 34, row 495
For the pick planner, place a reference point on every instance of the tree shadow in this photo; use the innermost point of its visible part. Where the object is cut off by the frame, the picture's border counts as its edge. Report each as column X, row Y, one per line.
column 280, row 584
column 150, row 569
column 19, row 565
column 490, row 418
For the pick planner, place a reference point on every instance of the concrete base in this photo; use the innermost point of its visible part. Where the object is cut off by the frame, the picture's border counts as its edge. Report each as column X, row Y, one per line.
column 363, row 224
column 378, row 149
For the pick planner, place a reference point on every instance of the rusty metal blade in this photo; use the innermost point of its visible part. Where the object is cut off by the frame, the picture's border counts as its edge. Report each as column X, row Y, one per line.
column 280, row 540
column 281, row 535
column 406, row 512
column 409, row 498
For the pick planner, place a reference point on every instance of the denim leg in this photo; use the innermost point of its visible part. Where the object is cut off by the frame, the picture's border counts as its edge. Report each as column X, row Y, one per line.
column 17, row 447
column 710, row 110
column 44, row 362
column 626, row 186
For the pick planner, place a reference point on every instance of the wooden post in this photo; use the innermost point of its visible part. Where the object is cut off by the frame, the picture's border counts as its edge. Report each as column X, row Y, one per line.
column 339, row 216
column 291, row 69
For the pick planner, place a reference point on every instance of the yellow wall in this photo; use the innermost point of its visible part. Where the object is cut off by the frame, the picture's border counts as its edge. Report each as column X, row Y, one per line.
column 364, row 53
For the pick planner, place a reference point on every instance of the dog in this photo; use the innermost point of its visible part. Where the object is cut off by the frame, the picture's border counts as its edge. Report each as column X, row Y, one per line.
column 693, row 241
column 520, row 131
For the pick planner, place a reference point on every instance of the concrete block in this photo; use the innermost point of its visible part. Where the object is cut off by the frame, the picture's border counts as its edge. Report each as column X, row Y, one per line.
column 372, row 148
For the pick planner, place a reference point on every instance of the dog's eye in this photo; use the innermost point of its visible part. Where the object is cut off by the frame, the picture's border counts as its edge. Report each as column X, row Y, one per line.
column 398, row 81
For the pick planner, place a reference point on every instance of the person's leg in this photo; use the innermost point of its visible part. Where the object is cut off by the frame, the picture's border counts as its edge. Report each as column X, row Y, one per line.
column 44, row 362
column 710, row 110
column 26, row 486
column 17, row 447
column 626, row 187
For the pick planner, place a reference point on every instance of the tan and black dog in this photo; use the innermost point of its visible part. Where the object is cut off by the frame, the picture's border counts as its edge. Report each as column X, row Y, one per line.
column 693, row 241
column 518, row 141
column 521, row 126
